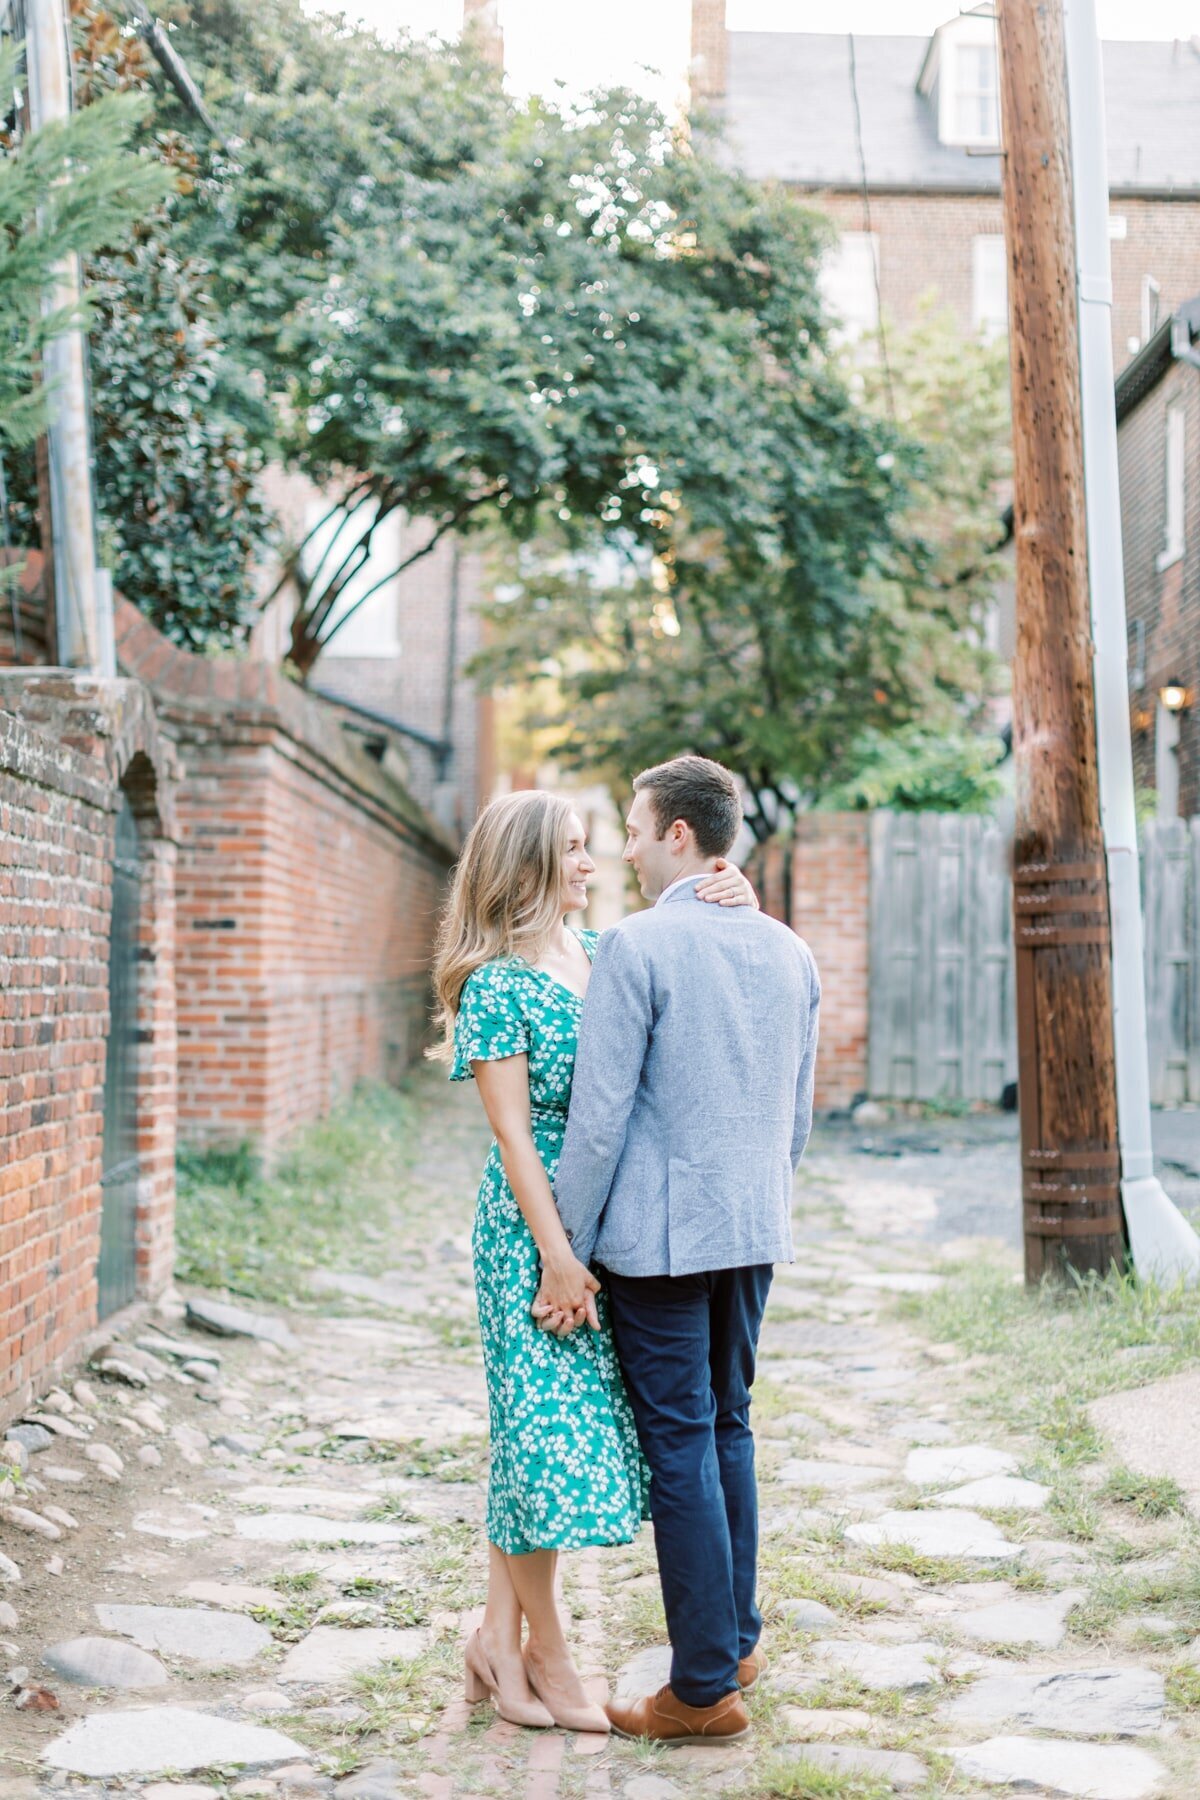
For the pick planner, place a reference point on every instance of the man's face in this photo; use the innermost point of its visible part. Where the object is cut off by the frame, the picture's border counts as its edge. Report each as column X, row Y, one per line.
column 652, row 857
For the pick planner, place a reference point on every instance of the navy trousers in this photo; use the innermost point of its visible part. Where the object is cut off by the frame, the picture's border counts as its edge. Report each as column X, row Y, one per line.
column 687, row 1345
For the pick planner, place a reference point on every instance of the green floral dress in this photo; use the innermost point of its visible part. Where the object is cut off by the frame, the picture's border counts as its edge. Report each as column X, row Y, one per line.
column 566, row 1470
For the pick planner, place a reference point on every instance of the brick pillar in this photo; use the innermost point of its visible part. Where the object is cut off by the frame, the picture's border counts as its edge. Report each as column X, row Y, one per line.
column 709, row 64
column 481, row 21
column 831, row 911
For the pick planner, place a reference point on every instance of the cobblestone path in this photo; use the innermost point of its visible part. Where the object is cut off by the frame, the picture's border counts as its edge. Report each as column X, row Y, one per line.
column 259, row 1569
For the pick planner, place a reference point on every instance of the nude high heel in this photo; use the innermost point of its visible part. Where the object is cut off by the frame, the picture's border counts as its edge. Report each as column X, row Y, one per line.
column 481, row 1684
column 588, row 1717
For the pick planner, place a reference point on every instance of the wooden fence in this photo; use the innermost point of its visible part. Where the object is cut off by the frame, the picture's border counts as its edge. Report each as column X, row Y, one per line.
column 942, row 1005
column 1170, row 890
column 942, row 1018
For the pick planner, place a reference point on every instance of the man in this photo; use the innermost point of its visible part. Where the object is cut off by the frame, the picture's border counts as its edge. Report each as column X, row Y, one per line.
column 691, row 1107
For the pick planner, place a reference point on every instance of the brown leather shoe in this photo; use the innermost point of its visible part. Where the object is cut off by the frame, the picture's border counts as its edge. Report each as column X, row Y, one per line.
column 665, row 1719
column 751, row 1667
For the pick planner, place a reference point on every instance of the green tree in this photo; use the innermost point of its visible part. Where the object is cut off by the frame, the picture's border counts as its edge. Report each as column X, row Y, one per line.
column 836, row 657
column 480, row 313
column 64, row 189
column 180, row 509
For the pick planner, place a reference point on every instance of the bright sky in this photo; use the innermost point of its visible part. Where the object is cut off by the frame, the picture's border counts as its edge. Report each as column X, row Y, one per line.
column 586, row 46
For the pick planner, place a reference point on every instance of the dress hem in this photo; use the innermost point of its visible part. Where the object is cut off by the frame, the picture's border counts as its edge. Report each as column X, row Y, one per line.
column 569, row 1544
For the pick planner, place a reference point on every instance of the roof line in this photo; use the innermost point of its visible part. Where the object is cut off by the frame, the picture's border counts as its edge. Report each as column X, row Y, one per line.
column 1156, row 355
column 848, row 185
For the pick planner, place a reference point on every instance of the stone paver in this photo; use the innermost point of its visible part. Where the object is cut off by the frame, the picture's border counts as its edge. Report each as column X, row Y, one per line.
column 1151, row 1430
column 329, row 1654
column 1087, row 1771
column 1112, row 1702
column 160, row 1738
column 898, row 1768
column 1027, row 1619
column 997, row 1493
column 293, row 1521
column 947, row 1534
column 935, row 1465
column 308, row 1528
column 103, row 1663
column 193, row 1632
column 908, row 1667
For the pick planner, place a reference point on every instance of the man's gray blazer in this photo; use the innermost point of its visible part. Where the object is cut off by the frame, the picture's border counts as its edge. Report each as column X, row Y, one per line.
column 692, row 1098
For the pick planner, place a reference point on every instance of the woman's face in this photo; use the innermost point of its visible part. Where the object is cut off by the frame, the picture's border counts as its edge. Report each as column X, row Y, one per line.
column 577, row 866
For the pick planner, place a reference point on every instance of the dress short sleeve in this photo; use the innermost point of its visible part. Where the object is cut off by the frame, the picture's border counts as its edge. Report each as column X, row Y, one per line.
column 490, row 1023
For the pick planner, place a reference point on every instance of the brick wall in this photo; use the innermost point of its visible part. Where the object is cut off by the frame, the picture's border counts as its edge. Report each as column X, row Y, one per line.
column 67, row 747
column 1165, row 602
column 307, row 891
column 437, row 616
column 925, row 249
column 830, row 909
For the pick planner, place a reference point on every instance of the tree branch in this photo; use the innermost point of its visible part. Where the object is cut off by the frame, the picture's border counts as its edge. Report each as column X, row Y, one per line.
column 448, row 524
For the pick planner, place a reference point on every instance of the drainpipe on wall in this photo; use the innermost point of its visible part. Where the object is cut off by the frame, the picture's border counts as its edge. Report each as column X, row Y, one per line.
column 1162, row 1242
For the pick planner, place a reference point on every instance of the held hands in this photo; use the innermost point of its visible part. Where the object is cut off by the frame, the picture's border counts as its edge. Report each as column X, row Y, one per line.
column 566, row 1297
column 727, row 886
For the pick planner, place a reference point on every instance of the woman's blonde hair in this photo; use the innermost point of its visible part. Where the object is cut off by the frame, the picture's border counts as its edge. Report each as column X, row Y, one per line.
column 505, row 897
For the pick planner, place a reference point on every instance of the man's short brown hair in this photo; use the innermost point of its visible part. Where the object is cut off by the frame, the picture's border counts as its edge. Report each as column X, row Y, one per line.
column 701, row 793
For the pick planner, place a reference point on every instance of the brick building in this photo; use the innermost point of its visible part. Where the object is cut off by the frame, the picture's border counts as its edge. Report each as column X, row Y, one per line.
column 397, row 665
column 218, row 909
column 87, row 1014
column 895, row 138
column 1158, row 436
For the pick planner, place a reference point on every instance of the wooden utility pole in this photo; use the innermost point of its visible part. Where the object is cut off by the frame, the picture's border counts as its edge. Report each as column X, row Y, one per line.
column 1066, row 1069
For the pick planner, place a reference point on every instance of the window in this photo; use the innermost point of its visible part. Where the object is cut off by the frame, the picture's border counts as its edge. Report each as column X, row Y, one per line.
column 1151, row 294
column 976, row 100
column 1175, row 474
column 849, row 282
column 989, row 286
column 1118, row 225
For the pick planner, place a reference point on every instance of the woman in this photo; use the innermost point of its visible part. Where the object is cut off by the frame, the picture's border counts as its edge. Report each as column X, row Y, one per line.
column 566, row 1470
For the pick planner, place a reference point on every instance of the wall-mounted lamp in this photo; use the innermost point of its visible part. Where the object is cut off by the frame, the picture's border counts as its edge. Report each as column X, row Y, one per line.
column 1174, row 696
column 1141, row 719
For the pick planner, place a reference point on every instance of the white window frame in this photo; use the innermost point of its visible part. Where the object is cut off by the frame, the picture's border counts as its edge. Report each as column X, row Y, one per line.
column 851, row 267
column 1151, row 307
column 989, row 285
column 960, row 96
column 1175, row 485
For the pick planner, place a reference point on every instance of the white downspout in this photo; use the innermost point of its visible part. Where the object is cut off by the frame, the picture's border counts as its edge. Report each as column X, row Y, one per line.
column 1162, row 1242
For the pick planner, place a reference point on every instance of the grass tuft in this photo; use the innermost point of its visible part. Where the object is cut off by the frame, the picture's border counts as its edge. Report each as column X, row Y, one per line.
column 1183, row 1687
column 784, row 1777
column 1149, row 1496
column 326, row 1205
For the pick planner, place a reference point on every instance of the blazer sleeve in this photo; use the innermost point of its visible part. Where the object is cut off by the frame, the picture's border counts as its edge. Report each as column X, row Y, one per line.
column 614, row 1034
column 806, row 1078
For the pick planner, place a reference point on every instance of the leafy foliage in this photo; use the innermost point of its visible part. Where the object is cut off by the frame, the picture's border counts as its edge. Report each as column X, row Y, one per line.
column 914, row 770
column 477, row 312
column 833, row 653
column 181, row 513
column 64, row 190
